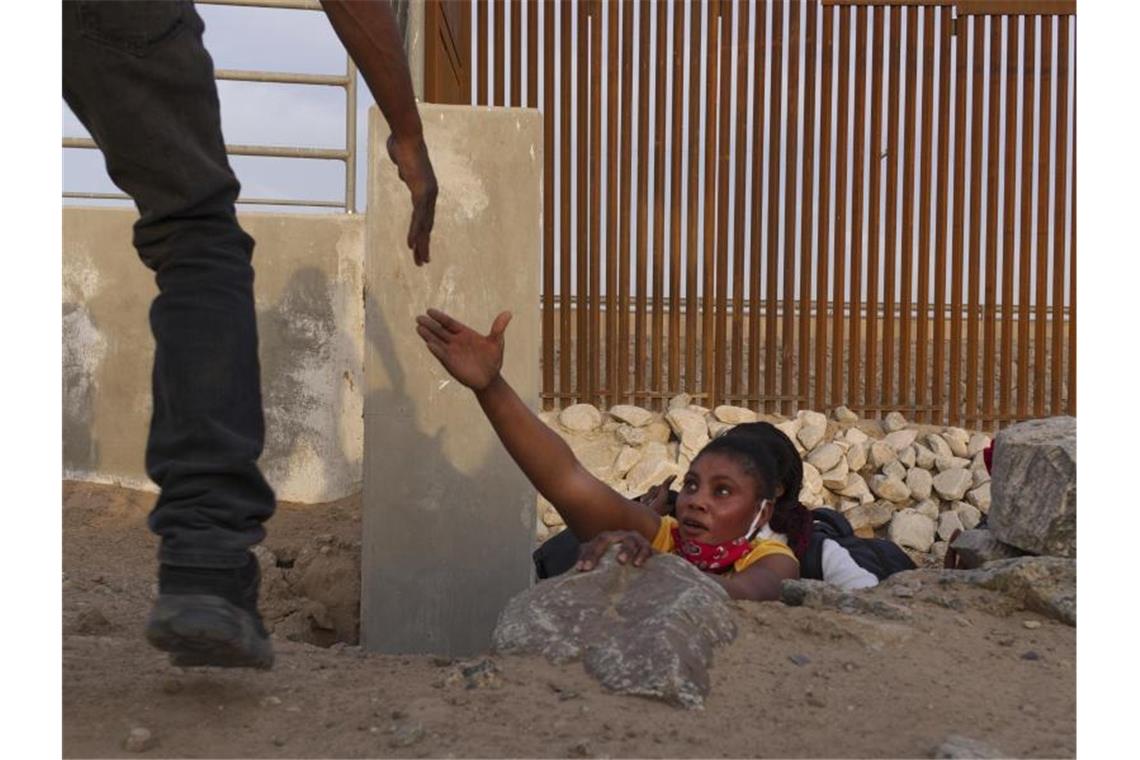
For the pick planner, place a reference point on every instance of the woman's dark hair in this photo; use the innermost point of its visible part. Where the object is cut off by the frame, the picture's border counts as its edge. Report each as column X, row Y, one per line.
column 764, row 449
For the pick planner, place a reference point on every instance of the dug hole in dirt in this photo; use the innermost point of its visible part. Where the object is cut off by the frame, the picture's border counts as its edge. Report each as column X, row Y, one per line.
column 796, row 682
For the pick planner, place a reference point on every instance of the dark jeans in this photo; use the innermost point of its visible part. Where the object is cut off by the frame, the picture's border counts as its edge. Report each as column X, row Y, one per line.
column 138, row 77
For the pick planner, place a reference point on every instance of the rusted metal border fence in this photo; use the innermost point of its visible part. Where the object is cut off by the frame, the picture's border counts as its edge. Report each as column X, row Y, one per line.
column 347, row 155
column 890, row 225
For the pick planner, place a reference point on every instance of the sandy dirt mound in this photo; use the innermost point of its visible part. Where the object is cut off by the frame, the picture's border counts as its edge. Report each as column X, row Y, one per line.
column 797, row 682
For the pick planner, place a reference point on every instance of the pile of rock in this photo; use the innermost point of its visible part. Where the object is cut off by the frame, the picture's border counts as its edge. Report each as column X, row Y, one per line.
column 916, row 484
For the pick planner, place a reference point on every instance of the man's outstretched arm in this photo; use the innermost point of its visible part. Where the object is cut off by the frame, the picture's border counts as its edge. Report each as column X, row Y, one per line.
column 369, row 32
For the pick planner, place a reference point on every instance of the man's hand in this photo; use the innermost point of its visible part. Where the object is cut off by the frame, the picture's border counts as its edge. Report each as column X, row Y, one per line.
column 657, row 497
column 414, row 167
column 633, row 546
column 471, row 358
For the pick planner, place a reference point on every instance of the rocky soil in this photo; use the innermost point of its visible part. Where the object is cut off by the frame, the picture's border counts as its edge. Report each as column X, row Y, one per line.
column 919, row 668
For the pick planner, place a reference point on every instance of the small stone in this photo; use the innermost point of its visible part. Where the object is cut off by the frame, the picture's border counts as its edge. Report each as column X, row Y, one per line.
column 963, row 748
column 927, row 508
column 938, row 550
column 856, row 488
column 856, row 457
column 1032, row 624
column 952, row 485
column 855, row 435
column 734, row 415
column 938, row 445
column 1031, row 655
column 950, row 463
column 825, row 457
column 270, row 701
column 890, row 488
column 406, row 735
column 632, row 436
column 881, row 454
column 980, row 476
column 278, row 741
column 631, row 415
column 912, row 530
column 812, row 480
column 908, row 457
column 625, row 461
column 968, row 514
column 920, row 482
column 799, row 659
column 658, row 431
column 895, row 470
column 690, row 427
column 980, row 497
column 958, row 440
column 718, row 428
column 900, row 439
column 977, row 443
column 948, row 522
column 680, row 401
column 923, row 457
column 843, row 414
column 894, row 421
column 813, row 427
column 836, row 477
column 977, row 546
column 139, row 739
column 581, row 749
column 580, row 418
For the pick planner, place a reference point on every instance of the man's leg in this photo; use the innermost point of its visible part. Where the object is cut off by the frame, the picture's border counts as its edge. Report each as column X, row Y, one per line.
column 136, row 74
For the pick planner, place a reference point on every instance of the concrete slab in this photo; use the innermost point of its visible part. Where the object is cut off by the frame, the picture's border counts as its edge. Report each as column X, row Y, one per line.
column 448, row 517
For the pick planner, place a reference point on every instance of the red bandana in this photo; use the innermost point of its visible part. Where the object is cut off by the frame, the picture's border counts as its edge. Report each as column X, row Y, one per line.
column 711, row 558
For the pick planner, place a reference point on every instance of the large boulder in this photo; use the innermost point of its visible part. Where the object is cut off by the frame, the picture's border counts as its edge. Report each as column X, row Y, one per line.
column 648, row 631
column 1047, row 585
column 1034, row 487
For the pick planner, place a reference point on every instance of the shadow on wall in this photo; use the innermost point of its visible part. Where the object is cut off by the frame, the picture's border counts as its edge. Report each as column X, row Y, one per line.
column 442, row 552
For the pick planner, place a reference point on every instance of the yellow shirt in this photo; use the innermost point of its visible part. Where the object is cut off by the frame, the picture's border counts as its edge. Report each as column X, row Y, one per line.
column 761, row 547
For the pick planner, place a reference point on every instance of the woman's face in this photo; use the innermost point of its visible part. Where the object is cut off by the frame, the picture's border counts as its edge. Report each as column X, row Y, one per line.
column 718, row 500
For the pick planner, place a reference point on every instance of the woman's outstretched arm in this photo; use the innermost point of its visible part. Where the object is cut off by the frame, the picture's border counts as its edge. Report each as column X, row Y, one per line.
column 588, row 505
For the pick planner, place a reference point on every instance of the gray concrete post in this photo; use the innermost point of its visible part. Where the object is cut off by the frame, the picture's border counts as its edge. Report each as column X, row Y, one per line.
column 448, row 518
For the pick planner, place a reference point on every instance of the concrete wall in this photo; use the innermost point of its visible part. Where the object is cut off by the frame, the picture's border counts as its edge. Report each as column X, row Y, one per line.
column 448, row 517
column 308, row 289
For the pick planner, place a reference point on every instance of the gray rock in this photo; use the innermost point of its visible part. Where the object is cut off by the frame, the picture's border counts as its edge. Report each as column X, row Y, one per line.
column 895, row 470
column 958, row 747
column 938, row 445
column 843, row 414
column 952, row 485
column 920, row 483
column 1047, row 585
column 580, row 418
column 908, row 457
column 948, row 522
column 804, row 592
column 825, row 457
column 734, row 415
column 894, row 421
column 913, row 530
column 631, row 415
column 139, row 739
column 889, row 488
column 900, row 439
column 976, row 547
column 882, row 453
column 979, row 475
column 1034, row 486
column 958, row 440
column 648, row 631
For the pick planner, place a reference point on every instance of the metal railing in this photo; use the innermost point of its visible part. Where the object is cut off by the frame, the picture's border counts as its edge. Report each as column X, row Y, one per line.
column 347, row 154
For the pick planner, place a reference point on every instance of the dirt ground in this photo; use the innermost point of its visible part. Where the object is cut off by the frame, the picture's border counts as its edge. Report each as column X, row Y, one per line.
column 797, row 682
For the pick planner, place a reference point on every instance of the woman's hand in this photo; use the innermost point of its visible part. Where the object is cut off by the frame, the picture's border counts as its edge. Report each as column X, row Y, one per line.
column 633, row 546
column 471, row 358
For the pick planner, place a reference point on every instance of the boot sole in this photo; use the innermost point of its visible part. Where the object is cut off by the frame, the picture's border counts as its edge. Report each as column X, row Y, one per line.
column 204, row 630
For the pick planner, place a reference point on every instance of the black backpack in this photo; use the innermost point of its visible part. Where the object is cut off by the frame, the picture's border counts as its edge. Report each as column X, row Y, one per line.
column 875, row 555
column 882, row 558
